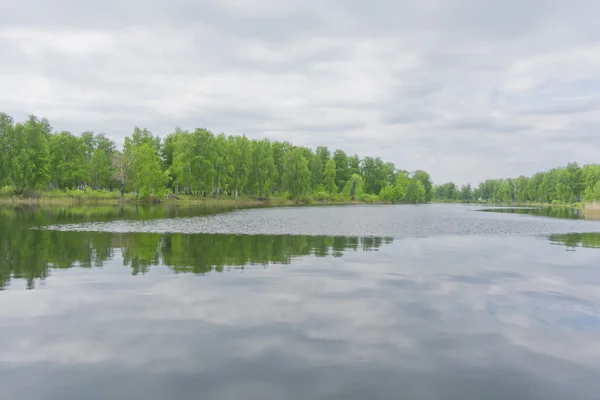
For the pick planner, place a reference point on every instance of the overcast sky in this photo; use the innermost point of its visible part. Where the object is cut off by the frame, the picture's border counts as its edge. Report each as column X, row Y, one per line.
column 464, row 89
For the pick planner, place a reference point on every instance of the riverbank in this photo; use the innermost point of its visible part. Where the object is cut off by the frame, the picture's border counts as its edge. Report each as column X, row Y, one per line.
column 94, row 198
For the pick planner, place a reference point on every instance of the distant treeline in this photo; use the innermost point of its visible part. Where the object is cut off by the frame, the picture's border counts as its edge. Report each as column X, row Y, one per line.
column 566, row 185
column 33, row 157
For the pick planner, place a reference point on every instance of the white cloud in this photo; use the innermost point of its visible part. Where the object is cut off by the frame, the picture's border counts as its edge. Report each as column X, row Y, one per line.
column 435, row 85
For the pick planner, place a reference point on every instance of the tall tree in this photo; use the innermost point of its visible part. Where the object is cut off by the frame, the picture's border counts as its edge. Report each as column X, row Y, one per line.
column 121, row 164
column 100, row 171
column 296, row 174
column 242, row 158
column 183, row 156
column 354, row 186
column 148, row 179
column 425, row 179
column 416, row 192
column 329, row 176
column 6, row 127
column 279, row 151
column 68, row 160
column 29, row 154
column 264, row 168
column 222, row 164
column 342, row 171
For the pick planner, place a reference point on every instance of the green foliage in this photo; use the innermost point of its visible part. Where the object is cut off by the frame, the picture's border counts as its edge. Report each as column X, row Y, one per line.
column 68, row 160
column 6, row 127
column 342, row 170
column 354, row 187
column 296, row 173
column 28, row 155
column 592, row 193
column 563, row 185
column 322, row 196
column 241, row 159
column 329, row 176
column 187, row 163
column 369, row 198
column 263, row 166
column 425, row 180
column 416, row 192
column 148, row 178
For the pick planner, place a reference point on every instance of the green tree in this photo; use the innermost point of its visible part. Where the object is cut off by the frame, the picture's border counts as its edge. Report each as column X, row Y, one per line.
column 264, row 168
column 6, row 127
column 279, row 151
column 29, row 154
column 522, row 184
column 374, row 173
column 425, row 179
column 148, row 177
column 316, row 165
column 330, row 176
column 204, row 153
column 121, row 164
column 416, row 192
column 100, row 171
column 68, row 160
column 592, row 193
column 342, row 171
column 296, row 173
column 222, row 164
column 183, row 156
column 354, row 187
column 242, row 158
column 533, row 186
column 590, row 175
column 396, row 191
column 353, row 165
column 547, row 189
column 466, row 193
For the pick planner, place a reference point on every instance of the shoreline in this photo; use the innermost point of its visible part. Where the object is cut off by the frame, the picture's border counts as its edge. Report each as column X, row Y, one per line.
column 591, row 209
column 516, row 204
column 193, row 201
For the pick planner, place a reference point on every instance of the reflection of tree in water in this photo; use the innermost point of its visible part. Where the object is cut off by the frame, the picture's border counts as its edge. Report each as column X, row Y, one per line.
column 30, row 254
column 573, row 240
column 553, row 212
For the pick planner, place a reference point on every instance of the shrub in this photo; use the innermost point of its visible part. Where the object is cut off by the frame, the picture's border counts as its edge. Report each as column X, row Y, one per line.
column 322, row 196
column 369, row 198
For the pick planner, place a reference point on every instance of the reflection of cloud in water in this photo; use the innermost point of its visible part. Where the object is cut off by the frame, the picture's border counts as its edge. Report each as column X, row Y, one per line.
column 420, row 310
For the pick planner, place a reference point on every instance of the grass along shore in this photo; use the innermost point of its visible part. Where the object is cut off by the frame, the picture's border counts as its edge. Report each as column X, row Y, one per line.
column 592, row 210
column 103, row 197
column 578, row 205
column 100, row 197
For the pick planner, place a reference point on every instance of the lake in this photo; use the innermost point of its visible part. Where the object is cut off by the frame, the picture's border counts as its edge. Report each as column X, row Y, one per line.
column 330, row 302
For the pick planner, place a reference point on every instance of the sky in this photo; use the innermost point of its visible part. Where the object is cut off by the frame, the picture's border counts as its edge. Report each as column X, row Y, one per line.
column 466, row 90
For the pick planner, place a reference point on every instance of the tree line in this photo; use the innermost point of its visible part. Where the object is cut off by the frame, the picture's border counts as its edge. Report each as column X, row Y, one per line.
column 33, row 157
column 565, row 185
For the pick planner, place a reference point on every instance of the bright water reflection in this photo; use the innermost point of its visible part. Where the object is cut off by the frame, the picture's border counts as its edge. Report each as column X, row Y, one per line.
column 462, row 316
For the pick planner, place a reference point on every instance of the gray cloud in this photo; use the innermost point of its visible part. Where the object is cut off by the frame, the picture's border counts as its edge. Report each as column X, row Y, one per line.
column 510, row 87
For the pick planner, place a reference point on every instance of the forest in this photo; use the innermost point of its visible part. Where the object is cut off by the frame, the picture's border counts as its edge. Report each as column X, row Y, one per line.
column 563, row 185
column 35, row 158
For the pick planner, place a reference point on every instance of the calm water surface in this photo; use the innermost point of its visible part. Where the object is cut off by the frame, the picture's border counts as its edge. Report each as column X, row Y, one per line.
column 340, row 302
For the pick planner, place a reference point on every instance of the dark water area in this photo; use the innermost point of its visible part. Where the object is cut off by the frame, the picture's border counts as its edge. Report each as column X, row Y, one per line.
column 337, row 302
